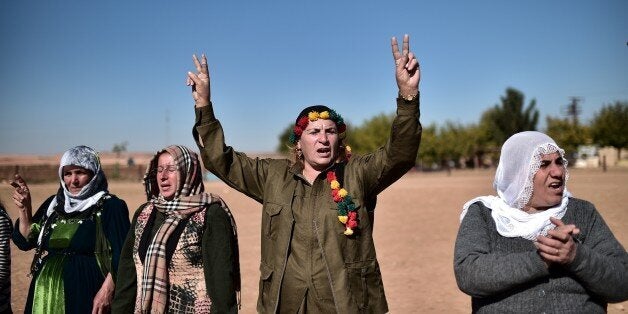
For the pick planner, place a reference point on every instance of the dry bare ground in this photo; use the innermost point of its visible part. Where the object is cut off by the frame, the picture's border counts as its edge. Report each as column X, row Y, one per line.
column 416, row 225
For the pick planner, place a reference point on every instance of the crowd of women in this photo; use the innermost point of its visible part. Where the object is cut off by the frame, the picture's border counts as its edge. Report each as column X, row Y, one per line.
column 531, row 248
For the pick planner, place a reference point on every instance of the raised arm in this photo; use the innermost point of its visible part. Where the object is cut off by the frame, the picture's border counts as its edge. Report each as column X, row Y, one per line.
column 407, row 71
column 387, row 165
column 245, row 174
column 200, row 82
column 22, row 199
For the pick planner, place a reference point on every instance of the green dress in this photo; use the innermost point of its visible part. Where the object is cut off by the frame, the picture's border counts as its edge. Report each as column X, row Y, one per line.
column 70, row 272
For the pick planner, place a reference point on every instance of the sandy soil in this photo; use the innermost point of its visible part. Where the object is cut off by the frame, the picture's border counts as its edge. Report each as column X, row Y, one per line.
column 416, row 225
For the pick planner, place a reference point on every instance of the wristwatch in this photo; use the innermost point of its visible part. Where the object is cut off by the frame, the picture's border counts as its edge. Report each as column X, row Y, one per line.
column 410, row 97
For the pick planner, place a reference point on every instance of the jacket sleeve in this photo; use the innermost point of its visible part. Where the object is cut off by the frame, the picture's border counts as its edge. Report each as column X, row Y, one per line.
column 386, row 165
column 219, row 260
column 19, row 240
column 601, row 263
column 480, row 272
column 242, row 173
column 126, row 281
column 116, row 227
column 5, row 259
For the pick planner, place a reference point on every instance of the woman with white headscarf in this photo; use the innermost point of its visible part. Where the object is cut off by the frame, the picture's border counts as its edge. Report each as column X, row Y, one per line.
column 77, row 235
column 534, row 248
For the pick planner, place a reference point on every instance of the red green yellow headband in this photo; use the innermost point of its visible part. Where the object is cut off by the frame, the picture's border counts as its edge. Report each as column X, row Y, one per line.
column 314, row 113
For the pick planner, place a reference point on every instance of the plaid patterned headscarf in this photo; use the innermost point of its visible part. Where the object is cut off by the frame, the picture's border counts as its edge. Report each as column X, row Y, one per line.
column 189, row 198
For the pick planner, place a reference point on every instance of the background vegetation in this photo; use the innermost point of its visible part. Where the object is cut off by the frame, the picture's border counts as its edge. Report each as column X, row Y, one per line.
column 477, row 145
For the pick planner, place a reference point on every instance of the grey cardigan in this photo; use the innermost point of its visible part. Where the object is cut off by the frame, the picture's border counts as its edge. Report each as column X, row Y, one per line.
column 506, row 275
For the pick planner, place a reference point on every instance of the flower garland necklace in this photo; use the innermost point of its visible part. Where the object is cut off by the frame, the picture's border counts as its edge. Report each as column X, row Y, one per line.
column 347, row 213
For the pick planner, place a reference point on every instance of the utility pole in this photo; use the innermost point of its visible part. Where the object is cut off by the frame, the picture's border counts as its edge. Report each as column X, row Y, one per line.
column 573, row 109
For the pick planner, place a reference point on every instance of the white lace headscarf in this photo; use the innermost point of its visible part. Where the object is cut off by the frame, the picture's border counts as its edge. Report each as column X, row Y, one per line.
column 87, row 158
column 519, row 161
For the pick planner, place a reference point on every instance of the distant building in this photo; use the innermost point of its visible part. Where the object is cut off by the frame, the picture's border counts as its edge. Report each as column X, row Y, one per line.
column 591, row 156
column 587, row 157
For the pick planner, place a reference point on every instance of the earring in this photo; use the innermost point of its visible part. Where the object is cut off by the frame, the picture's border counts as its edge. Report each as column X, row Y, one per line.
column 299, row 153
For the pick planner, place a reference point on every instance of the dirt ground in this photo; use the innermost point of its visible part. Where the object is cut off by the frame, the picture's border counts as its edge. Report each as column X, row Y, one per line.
column 416, row 225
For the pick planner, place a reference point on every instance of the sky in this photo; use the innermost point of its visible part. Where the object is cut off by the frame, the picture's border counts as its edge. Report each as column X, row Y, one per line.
column 103, row 73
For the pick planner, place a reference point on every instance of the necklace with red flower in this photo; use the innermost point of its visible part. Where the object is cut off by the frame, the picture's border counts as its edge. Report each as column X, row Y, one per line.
column 347, row 213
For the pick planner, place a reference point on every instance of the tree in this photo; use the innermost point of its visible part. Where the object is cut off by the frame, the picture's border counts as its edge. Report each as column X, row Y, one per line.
column 428, row 151
column 500, row 122
column 610, row 126
column 371, row 134
column 284, row 139
column 462, row 142
column 119, row 148
column 454, row 141
column 567, row 134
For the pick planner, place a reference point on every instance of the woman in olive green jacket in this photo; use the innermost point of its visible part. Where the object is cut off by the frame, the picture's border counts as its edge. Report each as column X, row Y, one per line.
column 317, row 250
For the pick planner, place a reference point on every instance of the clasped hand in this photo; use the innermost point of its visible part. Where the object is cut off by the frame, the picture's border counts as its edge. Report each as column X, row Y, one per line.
column 558, row 246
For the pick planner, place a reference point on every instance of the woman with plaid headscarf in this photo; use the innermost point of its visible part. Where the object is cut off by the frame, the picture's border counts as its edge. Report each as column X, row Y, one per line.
column 181, row 254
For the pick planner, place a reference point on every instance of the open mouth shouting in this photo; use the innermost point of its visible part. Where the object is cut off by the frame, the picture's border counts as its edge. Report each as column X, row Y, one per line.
column 324, row 152
column 557, row 187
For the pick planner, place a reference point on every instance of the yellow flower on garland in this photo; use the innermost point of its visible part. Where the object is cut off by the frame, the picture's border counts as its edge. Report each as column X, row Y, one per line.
column 324, row 115
column 348, row 148
column 343, row 219
column 313, row 116
column 348, row 231
column 343, row 193
column 335, row 185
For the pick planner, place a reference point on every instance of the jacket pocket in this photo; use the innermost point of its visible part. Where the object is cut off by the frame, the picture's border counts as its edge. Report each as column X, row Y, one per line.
column 365, row 282
column 265, row 283
column 271, row 219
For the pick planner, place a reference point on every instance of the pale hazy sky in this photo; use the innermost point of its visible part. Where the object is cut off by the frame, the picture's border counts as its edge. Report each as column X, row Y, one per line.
column 100, row 73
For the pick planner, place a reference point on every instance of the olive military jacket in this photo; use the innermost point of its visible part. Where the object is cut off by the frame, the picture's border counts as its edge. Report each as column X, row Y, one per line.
column 350, row 261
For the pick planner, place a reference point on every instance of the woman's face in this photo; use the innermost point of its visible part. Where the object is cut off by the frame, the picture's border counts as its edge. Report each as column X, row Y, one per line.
column 549, row 182
column 319, row 143
column 167, row 176
column 75, row 178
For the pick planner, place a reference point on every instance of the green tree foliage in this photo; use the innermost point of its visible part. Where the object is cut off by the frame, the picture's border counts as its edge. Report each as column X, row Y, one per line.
column 371, row 134
column 500, row 122
column 438, row 145
column 610, row 126
column 567, row 134
column 478, row 142
column 119, row 148
column 284, row 139
column 428, row 151
column 455, row 141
